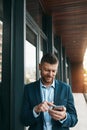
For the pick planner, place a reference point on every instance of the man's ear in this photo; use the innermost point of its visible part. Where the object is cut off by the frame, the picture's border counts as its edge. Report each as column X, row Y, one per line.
column 39, row 66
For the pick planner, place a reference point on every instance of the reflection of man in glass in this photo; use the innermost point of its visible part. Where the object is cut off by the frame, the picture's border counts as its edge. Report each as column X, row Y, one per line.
column 41, row 97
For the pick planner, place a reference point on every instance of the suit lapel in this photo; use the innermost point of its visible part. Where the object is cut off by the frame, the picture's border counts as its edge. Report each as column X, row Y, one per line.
column 38, row 95
column 37, row 92
column 56, row 93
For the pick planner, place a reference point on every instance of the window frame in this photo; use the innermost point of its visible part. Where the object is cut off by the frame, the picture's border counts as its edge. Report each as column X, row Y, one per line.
column 39, row 33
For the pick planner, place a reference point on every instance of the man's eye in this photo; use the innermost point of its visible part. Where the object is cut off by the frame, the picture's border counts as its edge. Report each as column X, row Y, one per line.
column 46, row 70
column 54, row 71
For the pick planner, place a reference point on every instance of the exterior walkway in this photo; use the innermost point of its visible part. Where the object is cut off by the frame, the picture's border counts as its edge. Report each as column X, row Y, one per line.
column 81, row 107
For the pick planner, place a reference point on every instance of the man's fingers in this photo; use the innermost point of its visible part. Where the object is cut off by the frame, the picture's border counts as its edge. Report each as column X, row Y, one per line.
column 50, row 103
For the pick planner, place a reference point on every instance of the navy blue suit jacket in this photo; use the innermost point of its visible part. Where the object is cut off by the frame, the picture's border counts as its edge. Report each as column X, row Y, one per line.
column 62, row 96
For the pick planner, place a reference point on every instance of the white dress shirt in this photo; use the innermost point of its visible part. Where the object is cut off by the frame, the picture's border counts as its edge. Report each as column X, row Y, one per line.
column 47, row 94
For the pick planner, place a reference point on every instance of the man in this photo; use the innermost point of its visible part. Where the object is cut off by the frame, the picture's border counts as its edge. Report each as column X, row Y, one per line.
column 41, row 98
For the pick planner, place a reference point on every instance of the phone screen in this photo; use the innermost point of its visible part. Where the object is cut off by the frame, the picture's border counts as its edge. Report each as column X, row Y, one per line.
column 58, row 108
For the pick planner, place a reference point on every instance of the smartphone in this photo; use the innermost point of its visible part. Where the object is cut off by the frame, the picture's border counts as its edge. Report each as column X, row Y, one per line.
column 58, row 108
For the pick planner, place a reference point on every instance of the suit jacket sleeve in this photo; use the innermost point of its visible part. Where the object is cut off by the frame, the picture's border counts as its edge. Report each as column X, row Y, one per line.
column 27, row 116
column 71, row 111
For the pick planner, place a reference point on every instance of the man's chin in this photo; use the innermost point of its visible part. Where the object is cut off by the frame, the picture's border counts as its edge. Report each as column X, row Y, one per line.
column 49, row 81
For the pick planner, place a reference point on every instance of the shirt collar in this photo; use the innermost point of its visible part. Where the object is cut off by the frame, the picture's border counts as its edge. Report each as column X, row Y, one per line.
column 52, row 85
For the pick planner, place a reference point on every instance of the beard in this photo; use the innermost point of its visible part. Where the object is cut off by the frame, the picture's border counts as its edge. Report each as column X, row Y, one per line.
column 47, row 80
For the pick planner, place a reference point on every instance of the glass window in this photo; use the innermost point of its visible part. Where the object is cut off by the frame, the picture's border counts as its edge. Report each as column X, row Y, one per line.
column 30, row 56
column 35, row 10
column 1, row 8
column 34, row 37
column 56, row 54
column 43, row 47
column 1, row 26
column 30, row 62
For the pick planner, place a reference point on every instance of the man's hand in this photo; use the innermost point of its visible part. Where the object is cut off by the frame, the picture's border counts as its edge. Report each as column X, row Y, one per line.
column 58, row 115
column 42, row 107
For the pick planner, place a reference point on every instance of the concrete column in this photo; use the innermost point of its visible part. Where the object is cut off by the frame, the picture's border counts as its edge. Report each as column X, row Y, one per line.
column 58, row 45
column 47, row 29
column 12, row 63
column 64, row 65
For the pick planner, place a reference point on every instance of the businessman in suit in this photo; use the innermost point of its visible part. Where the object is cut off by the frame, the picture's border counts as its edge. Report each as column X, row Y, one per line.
column 39, row 110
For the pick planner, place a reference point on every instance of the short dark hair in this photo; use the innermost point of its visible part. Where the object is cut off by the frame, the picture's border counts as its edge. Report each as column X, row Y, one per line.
column 49, row 58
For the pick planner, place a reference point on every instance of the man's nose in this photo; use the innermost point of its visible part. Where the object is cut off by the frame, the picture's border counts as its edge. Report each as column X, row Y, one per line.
column 50, row 73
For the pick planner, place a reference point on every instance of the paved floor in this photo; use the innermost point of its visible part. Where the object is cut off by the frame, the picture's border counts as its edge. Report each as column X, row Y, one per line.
column 81, row 107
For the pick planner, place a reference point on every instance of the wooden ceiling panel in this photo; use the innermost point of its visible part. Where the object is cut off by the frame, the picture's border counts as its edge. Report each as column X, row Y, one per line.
column 69, row 22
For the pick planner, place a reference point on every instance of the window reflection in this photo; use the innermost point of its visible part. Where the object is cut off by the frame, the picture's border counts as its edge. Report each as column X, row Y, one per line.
column 43, row 47
column 30, row 62
column 1, row 25
column 35, row 10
